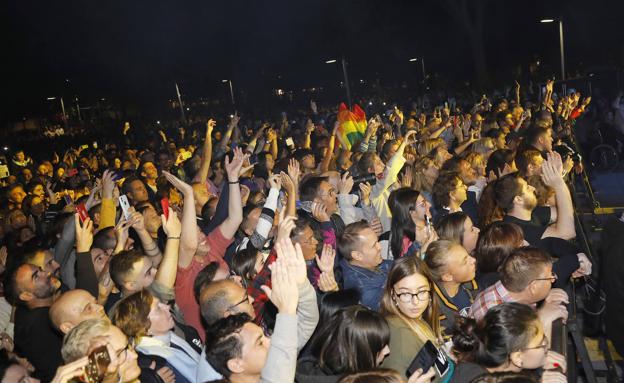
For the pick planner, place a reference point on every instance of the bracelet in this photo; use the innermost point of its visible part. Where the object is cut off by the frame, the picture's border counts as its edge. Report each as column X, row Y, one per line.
column 173, row 237
column 233, row 183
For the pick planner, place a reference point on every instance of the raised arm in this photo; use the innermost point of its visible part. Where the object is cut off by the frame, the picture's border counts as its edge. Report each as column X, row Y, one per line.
column 166, row 274
column 150, row 248
column 235, row 209
column 329, row 154
column 206, row 152
column 552, row 174
column 188, row 237
column 291, row 193
column 228, row 133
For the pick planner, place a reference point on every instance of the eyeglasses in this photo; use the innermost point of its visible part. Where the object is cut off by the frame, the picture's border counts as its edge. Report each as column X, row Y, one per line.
column 245, row 299
column 331, row 193
column 552, row 278
column 421, row 296
column 543, row 345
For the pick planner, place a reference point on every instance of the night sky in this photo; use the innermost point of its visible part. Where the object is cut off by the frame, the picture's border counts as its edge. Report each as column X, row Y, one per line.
column 133, row 51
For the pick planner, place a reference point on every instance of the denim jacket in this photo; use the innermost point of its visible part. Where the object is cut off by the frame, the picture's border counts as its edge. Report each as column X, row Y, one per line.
column 368, row 283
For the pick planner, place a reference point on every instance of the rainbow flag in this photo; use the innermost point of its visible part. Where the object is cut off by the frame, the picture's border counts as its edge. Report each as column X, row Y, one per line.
column 352, row 125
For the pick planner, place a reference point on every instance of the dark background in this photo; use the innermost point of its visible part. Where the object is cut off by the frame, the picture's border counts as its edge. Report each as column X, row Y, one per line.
column 133, row 51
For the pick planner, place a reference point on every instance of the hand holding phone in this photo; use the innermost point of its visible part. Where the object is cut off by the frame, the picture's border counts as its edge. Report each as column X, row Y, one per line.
column 81, row 209
column 125, row 206
column 98, row 363
column 164, row 203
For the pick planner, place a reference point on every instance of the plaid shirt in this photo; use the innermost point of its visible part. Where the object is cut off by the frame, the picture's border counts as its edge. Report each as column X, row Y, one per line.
column 490, row 297
column 263, row 278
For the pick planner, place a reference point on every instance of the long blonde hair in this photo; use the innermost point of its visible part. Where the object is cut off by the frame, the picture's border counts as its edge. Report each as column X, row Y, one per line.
column 403, row 268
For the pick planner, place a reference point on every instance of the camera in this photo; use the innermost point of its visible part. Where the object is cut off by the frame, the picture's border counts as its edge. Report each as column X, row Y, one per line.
column 371, row 178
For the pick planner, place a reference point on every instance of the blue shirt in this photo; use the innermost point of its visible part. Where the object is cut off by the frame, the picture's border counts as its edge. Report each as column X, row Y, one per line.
column 368, row 283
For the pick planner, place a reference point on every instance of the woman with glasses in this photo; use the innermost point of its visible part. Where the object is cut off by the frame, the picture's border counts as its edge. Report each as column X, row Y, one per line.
column 411, row 231
column 510, row 338
column 412, row 315
column 148, row 321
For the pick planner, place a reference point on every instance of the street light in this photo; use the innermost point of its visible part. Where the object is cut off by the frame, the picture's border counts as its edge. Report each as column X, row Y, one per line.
column 345, row 76
column 62, row 106
column 231, row 89
column 422, row 61
column 546, row 21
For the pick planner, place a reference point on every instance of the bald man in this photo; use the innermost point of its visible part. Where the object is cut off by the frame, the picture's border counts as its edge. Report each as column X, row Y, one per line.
column 73, row 308
column 224, row 298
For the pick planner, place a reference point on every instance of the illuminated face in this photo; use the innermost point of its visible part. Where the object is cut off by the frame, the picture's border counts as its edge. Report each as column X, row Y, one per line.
column 150, row 171
column 327, row 195
column 459, row 265
column 308, row 243
column 160, row 318
column 412, row 306
column 370, row 249
column 17, row 194
column 470, row 236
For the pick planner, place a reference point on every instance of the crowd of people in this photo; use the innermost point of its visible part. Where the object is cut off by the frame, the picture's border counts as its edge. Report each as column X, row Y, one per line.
column 435, row 247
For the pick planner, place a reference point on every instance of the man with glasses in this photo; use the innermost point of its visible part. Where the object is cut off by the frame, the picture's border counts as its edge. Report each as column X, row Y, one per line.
column 94, row 333
column 526, row 277
column 363, row 268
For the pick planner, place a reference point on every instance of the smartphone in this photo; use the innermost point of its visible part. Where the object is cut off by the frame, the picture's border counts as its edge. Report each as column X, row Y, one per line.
column 95, row 145
column 306, row 206
column 125, row 206
column 81, row 209
column 429, row 356
column 164, row 203
column 98, row 363
column 290, row 142
column 68, row 199
column 84, row 147
column 428, row 224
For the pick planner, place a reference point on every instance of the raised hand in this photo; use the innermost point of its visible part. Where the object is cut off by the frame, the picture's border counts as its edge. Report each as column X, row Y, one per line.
column 345, row 184
column 233, row 167
column 285, row 226
column 275, row 181
column 365, row 191
column 287, row 183
column 294, row 171
column 172, row 225
column 92, row 200
column 234, row 120
column 108, row 185
column 177, row 183
column 210, row 125
column 326, row 261
column 137, row 222
column 552, row 170
column 84, row 234
column 121, row 234
column 294, row 259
